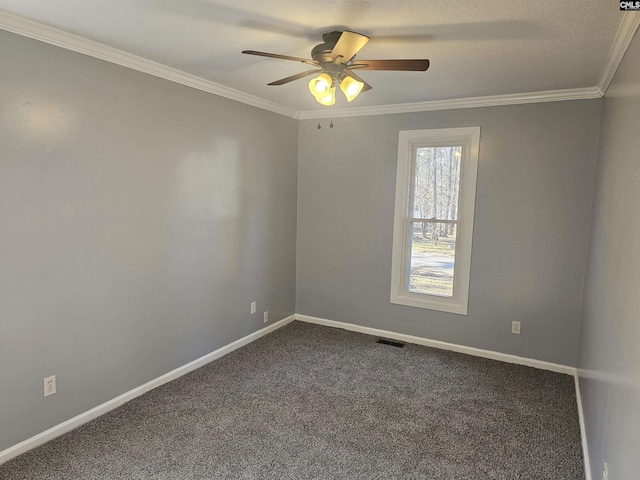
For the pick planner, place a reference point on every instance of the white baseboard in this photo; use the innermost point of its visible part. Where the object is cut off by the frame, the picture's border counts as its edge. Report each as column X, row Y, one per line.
column 89, row 415
column 477, row 352
column 583, row 431
column 503, row 357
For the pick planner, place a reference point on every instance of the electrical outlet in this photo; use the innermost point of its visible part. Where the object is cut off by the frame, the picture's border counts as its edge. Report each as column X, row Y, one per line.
column 515, row 328
column 253, row 308
column 49, row 385
column 605, row 471
column 266, row 317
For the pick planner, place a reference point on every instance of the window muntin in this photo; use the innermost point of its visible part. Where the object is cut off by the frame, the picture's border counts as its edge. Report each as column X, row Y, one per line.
column 435, row 196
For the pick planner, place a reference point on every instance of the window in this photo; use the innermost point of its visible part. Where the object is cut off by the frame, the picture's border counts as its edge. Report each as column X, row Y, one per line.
column 433, row 223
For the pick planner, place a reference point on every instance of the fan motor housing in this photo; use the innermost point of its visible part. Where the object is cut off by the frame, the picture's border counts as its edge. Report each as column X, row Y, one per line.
column 322, row 53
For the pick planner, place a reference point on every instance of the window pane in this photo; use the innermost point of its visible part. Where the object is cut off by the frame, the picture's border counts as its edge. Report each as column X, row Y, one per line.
column 433, row 250
column 437, row 179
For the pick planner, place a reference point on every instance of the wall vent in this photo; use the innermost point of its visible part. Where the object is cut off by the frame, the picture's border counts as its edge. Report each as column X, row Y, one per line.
column 392, row 343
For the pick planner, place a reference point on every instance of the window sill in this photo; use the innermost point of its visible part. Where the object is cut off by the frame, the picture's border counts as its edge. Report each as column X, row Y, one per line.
column 450, row 305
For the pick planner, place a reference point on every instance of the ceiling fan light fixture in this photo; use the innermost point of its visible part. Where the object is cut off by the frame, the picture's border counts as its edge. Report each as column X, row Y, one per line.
column 320, row 85
column 334, row 60
column 328, row 99
column 351, row 87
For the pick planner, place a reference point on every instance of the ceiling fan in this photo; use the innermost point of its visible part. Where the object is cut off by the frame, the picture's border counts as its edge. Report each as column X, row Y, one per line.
column 335, row 62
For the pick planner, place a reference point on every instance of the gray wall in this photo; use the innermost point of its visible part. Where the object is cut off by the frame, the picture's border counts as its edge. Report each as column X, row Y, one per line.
column 138, row 220
column 609, row 355
column 534, row 192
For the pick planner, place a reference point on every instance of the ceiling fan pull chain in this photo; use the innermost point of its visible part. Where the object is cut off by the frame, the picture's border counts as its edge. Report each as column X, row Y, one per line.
column 319, row 127
column 331, row 124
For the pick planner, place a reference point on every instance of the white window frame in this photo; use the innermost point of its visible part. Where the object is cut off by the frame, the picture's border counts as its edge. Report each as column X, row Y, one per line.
column 409, row 140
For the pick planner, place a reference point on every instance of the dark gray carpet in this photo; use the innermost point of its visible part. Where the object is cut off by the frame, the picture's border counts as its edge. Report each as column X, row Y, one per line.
column 311, row 402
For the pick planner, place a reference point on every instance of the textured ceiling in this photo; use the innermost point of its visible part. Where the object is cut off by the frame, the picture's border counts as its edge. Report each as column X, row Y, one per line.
column 476, row 48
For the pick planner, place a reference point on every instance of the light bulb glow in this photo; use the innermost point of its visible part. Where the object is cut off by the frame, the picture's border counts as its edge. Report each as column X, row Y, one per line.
column 351, row 87
column 319, row 85
column 328, row 99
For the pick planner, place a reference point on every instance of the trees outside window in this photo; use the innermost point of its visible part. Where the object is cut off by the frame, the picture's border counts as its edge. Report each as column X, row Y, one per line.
column 435, row 196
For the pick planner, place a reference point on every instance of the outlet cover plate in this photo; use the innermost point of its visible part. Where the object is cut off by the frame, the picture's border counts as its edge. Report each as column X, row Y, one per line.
column 49, row 385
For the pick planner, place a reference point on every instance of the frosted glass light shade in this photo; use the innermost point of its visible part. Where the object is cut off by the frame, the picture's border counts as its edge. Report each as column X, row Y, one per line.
column 351, row 87
column 320, row 85
column 329, row 98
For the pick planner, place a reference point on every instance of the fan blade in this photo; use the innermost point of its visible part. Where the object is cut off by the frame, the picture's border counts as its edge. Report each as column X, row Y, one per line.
column 297, row 76
column 356, row 77
column 348, row 45
column 282, row 57
column 406, row 65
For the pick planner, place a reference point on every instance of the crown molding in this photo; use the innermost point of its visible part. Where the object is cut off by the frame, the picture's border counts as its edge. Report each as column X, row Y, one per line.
column 54, row 36
column 624, row 35
column 470, row 102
